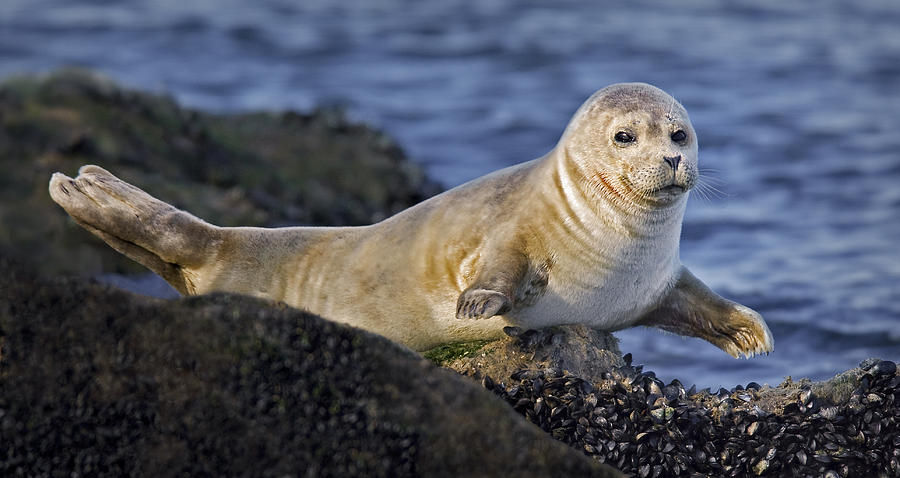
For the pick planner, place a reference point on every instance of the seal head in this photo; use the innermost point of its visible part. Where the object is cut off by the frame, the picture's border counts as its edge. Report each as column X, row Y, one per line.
column 635, row 144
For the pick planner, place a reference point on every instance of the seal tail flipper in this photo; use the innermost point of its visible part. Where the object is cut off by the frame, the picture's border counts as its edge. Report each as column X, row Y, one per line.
column 693, row 309
column 159, row 236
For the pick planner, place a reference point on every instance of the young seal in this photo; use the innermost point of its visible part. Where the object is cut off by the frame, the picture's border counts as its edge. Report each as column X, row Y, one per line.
column 587, row 234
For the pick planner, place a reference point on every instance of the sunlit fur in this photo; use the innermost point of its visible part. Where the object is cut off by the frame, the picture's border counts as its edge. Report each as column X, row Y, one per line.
column 586, row 234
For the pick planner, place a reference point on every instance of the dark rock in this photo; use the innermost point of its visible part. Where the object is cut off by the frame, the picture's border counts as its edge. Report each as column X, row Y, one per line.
column 99, row 382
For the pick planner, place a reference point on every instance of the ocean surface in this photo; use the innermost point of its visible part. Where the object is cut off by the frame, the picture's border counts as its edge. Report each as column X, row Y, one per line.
column 796, row 104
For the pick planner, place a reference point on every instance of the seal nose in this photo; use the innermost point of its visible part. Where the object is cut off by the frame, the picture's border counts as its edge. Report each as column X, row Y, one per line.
column 672, row 161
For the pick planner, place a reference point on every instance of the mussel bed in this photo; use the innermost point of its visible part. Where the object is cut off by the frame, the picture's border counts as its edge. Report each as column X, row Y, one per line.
column 635, row 422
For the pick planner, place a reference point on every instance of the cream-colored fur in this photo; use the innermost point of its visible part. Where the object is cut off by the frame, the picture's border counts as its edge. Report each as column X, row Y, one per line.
column 586, row 234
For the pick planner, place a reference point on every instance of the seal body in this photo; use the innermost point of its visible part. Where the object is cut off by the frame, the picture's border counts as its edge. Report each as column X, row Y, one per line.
column 587, row 234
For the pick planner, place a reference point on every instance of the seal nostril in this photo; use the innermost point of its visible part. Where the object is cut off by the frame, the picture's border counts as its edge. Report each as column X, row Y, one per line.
column 672, row 161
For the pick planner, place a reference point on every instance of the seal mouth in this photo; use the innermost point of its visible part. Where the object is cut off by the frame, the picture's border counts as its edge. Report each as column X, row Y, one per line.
column 672, row 189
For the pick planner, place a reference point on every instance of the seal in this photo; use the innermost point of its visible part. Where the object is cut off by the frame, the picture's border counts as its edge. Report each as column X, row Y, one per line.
column 586, row 234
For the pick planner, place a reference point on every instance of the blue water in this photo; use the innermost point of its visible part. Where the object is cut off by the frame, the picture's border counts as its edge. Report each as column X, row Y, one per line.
column 797, row 105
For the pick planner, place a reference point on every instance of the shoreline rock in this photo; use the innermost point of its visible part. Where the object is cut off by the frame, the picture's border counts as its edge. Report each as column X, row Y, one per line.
column 571, row 382
column 99, row 382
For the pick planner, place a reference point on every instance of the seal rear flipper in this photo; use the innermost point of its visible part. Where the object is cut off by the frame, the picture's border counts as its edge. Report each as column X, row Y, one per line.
column 156, row 234
column 694, row 310
column 172, row 273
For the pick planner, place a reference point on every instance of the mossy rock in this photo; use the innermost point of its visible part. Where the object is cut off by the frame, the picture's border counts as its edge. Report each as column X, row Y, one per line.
column 445, row 354
column 253, row 169
column 578, row 349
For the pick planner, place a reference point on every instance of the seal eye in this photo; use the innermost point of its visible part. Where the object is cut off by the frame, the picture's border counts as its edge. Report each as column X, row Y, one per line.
column 679, row 136
column 624, row 137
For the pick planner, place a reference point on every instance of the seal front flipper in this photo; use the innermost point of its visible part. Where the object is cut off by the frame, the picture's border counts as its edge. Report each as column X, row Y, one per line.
column 481, row 304
column 496, row 287
column 156, row 234
column 693, row 309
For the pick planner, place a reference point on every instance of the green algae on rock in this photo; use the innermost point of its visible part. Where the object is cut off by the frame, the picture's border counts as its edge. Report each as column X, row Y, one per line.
column 447, row 353
column 251, row 169
column 577, row 349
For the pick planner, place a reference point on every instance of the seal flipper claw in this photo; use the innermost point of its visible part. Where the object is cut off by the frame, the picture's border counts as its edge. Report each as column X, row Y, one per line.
column 481, row 304
column 693, row 309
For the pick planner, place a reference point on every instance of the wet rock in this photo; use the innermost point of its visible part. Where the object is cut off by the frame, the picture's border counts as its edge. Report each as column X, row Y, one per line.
column 99, row 382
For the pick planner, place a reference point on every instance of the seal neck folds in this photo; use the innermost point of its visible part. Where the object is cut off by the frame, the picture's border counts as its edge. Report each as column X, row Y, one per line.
column 604, row 202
